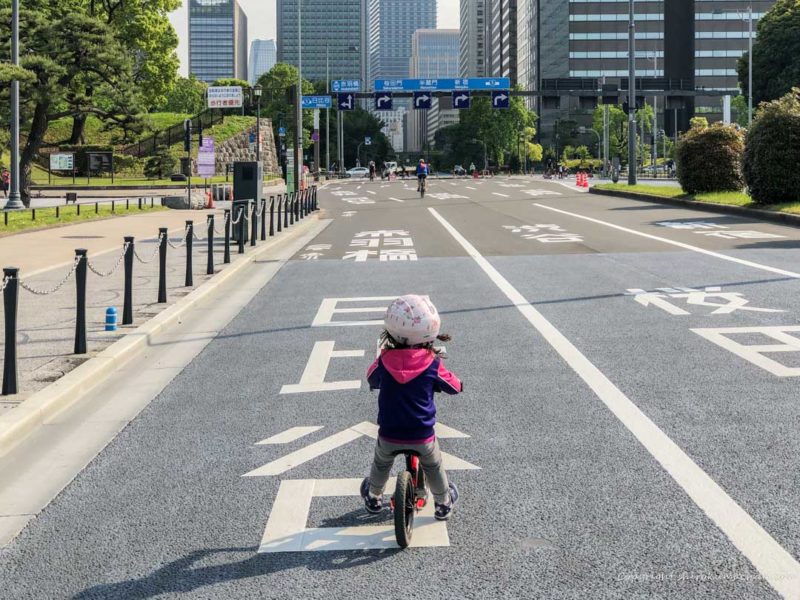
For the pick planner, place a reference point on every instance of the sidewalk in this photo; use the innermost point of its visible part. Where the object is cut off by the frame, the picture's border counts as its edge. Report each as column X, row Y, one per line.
column 46, row 323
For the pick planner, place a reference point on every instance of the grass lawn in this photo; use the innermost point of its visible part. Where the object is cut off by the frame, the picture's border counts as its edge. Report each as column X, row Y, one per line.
column 20, row 220
column 731, row 198
column 40, row 178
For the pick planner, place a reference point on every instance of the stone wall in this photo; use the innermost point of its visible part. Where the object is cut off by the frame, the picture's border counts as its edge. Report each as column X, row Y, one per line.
column 237, row 148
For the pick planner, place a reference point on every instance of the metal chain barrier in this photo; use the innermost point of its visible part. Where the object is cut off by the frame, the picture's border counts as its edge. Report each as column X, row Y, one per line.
column 260, row 212
column 221, row 231
column 4, row 284
column 238, row 219
column 52, row 290
column 113, row 270
column 183, row 241
column 152, row 256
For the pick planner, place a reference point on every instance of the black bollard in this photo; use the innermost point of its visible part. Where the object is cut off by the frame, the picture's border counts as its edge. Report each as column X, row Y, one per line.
column 292, row 202
column 242, row 229
column 316, row 206
column 285, row 211
column 80, row 316
column 162, row 265
column 127, row 307
column 254, row 224
column 271, row 216
column 188, row 281
column 263, row 219
column 227, row 257
column 297, row 205
column 280, row 211
column 96, row 207
column 210, row 263
column 10, row 304
column 303, row 196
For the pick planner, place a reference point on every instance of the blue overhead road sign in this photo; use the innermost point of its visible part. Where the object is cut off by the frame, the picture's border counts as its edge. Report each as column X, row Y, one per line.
column 461, row 99
column 383, row 101
column 442, row 85
column 422, row 100
column 500, row 99
column 346, row 101
column 316, row 102
column 346, row 85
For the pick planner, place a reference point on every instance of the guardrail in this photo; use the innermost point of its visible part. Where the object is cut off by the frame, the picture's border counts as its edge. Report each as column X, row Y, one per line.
column 297, row 204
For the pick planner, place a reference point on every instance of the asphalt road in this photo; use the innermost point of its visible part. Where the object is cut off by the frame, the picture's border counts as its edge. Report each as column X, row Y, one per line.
column 631, row 374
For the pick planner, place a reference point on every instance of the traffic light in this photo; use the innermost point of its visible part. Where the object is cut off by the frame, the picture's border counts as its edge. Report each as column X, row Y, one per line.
column 639, row 105
column 187, row 135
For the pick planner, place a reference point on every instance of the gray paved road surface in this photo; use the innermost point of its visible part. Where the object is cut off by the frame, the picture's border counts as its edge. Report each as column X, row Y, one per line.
column 631, row 407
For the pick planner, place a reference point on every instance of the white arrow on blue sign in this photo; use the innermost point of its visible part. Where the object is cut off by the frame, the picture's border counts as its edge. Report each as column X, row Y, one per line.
column 383, row 101
column 422, row 100
column 347, row 101
column 461, row 100
column 500, row 99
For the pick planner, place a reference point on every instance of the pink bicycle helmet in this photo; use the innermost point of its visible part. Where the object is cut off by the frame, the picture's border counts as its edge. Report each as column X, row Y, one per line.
column 412, row 320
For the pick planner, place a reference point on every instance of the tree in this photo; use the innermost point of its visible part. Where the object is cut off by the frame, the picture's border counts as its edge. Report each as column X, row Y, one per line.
column 359, row 124
column 618, row 129
column 710, row 158
column 160, row 164
column 278, row 86
column 776, row 47
column 186, row 96
column 67, row 53
column 772, row 153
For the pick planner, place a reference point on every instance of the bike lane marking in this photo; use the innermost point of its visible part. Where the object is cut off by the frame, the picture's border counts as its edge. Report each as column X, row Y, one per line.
column 657, row 238
column 290, row 435
column 779, row 568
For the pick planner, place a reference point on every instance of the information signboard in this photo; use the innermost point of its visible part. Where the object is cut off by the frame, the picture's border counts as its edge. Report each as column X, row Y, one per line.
column 206, row 158
column 442, row 85
column 346, row 85
column 225, row 96
column 62, row 162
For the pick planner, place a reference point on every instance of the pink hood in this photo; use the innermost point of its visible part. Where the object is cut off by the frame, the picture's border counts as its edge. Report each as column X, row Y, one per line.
column 405, row 365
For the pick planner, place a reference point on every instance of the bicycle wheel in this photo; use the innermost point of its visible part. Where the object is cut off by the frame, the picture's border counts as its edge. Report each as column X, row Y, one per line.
column 404, row 509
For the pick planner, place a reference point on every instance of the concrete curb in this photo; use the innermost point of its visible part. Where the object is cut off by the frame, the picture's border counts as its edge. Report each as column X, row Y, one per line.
column 166, row 186
column 740, row 211
column 46, row 403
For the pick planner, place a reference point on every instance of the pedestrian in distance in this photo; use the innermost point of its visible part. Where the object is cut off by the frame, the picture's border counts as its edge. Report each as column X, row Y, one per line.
column 408, row 371
column 5, row 181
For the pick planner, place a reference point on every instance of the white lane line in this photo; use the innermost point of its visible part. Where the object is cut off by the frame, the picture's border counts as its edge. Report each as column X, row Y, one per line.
column 776, row 565
column 397, row 199
column 470, row 188
column 499, row 194
column 371, row 192
column 290, row 435
column 741, row 261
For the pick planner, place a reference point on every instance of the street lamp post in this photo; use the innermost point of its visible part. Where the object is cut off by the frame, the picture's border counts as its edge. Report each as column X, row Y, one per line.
column 750, row 65
column 327, row 111
column 14, row 200
column 257, row 94
column 631, row 95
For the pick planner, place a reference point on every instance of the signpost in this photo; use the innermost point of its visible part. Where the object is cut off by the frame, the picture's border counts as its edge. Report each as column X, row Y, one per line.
column 500, row 99
column 367, row 140
column 316, row 102
column 347, row 101
column 461, row 100
column 422, row 100
column 383, row 101
column 206, row 158
column 98, row 162
column 290, row 169
column 442, row 85
column 225, row 96
column 62, row 162
column 346, row 85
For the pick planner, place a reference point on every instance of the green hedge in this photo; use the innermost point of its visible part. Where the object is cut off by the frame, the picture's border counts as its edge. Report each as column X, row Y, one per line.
column 772, row 154
column 709, row 159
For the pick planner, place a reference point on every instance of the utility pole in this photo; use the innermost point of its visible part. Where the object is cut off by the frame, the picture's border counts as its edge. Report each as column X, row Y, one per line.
column 298, row 170
column 655, row 113
column 14, row 200
column 327, row 112
column 631, row 95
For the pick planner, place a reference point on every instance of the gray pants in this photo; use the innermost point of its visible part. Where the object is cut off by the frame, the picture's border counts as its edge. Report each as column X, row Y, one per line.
column 430, row 457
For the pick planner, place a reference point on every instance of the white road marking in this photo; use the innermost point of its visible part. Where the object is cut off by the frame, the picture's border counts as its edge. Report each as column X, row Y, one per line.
column 776, row 565
column 740, row 261
column 397, row 199
column 499, row 194
column 290, row 435
column 313, row 378
column 371, row 192
column 329, row 307
column 755, row 353
column 470, row 187
column 342, row 438
column 286, row 528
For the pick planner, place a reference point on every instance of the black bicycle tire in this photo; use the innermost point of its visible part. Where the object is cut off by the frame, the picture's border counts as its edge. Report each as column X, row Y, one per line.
column 404, row 509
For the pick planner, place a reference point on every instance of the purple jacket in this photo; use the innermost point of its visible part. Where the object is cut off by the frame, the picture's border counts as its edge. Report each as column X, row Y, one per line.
column 407, row 380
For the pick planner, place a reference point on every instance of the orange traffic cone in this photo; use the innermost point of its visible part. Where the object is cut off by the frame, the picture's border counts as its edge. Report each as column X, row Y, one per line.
column 210, row 202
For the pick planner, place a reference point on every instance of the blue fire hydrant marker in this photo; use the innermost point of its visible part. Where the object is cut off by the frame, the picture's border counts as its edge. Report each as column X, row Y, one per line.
column 111, row 319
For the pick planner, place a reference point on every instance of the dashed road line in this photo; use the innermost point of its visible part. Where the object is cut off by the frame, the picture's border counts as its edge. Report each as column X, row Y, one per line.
column 741, row 261
column 397, row 199
column 499, row 194
column 470, row 187
column 776, row 565
column 371, row 192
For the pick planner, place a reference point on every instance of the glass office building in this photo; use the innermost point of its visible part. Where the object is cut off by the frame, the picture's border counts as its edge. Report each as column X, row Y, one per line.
column 263, row 55
column 472, row 54
column 330, row 29
column 217, row 40
column 501, row 39
column 391, row 27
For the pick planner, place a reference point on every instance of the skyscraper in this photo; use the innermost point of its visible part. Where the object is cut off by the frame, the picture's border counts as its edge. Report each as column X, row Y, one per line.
column 391, row 26
column 330, row 28
column 472, row 54
column 263, row 56
column 501, row 39
column 434, row 54
column 217, row 40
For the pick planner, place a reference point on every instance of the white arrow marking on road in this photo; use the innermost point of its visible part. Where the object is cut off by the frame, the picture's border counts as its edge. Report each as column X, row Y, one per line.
column 646, row 299
column 337, row 440
column 290, row 435
column 775, row 564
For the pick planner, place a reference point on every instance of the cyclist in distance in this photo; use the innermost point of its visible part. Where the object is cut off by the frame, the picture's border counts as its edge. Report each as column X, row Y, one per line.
column 371, row 170
column 422, row 173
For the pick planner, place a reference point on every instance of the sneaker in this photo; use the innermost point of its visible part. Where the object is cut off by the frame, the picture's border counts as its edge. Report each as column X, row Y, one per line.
column 373, row 504
column 443, row 511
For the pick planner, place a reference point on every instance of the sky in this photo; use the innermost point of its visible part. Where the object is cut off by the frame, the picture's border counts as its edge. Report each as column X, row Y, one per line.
column 261, row 22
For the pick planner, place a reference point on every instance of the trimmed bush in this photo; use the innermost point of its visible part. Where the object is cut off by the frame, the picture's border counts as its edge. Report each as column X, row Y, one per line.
column 710, row 158
column 772, row 152
column 161, row 164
